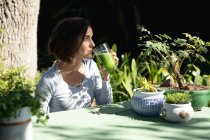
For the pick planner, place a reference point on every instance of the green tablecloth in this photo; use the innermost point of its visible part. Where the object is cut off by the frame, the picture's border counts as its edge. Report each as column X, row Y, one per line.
column 119, row 122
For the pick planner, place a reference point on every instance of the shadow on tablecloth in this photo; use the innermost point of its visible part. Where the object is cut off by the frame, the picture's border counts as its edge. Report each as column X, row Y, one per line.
column 125, row 109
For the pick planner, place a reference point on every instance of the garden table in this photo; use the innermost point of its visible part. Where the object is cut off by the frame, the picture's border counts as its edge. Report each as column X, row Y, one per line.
column 119, row 122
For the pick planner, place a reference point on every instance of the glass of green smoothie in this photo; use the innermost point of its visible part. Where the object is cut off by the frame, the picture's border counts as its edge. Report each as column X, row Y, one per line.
column 104, row 56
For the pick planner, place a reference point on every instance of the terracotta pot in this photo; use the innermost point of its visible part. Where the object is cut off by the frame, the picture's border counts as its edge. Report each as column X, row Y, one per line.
column 147, row 103
column 17, row 128
column 177, row 112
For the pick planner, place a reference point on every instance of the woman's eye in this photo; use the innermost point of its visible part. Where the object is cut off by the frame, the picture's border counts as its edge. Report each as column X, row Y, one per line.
column 86, row 38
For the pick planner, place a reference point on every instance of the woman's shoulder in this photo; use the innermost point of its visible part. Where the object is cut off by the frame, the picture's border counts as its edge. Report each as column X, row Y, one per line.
column 50, row 73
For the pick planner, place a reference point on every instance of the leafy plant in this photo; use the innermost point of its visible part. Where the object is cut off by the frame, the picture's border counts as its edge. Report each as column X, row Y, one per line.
column 16, row 91
column 128, row 76
column 195, row 77
column 146, row 85
column 124, row 79
column 172, row 53
column 154, row 73
column 178, row 98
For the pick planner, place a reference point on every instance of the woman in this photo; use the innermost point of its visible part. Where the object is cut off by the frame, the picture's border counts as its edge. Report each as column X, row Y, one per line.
column 74, row 80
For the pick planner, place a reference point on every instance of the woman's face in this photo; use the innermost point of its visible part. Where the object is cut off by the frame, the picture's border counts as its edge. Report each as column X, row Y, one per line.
column 86, row 49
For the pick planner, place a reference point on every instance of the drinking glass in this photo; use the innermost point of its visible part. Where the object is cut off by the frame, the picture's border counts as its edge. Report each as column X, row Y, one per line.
column 104, row 56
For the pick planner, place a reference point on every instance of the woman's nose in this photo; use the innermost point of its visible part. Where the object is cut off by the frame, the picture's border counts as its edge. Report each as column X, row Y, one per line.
column 92, row 43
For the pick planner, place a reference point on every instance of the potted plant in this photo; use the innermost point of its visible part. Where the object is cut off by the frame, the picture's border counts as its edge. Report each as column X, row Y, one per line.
column 177, row 107
column 178, row 56
column 147, row 100
column 17, row 105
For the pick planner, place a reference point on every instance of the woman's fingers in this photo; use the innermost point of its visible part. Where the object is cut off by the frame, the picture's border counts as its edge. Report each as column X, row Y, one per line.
column 115, row 57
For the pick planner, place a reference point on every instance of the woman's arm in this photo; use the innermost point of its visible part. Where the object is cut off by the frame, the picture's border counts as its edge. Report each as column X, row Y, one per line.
column 44, row 94
column 102, row 88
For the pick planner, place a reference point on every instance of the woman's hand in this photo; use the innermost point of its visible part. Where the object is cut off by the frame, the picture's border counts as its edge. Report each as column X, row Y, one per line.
column 116, row 60
column 104, row 73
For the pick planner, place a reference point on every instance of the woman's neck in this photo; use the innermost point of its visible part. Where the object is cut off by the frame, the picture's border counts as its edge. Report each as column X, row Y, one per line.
column 74, row 65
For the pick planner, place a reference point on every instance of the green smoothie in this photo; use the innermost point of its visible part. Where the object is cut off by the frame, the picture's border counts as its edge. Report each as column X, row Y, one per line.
column 107, row 61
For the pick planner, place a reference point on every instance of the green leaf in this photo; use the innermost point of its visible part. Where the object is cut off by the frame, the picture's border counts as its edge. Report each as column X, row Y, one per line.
column 127, row 87
column 134, row 72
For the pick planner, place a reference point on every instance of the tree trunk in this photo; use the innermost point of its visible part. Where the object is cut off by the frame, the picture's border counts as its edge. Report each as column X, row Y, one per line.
column 19, row 19
column 136, row 12
column 121, row 20
column 177, row 76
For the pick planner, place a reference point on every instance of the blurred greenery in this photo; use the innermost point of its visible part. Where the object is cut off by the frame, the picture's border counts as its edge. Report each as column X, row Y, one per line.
column 173, row 53
column 130, row 71
column 115, row 22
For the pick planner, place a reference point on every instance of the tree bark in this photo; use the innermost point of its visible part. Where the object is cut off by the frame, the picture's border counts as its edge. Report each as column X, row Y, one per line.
column 121, row 20
column 177, row 76
column 18, row 20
